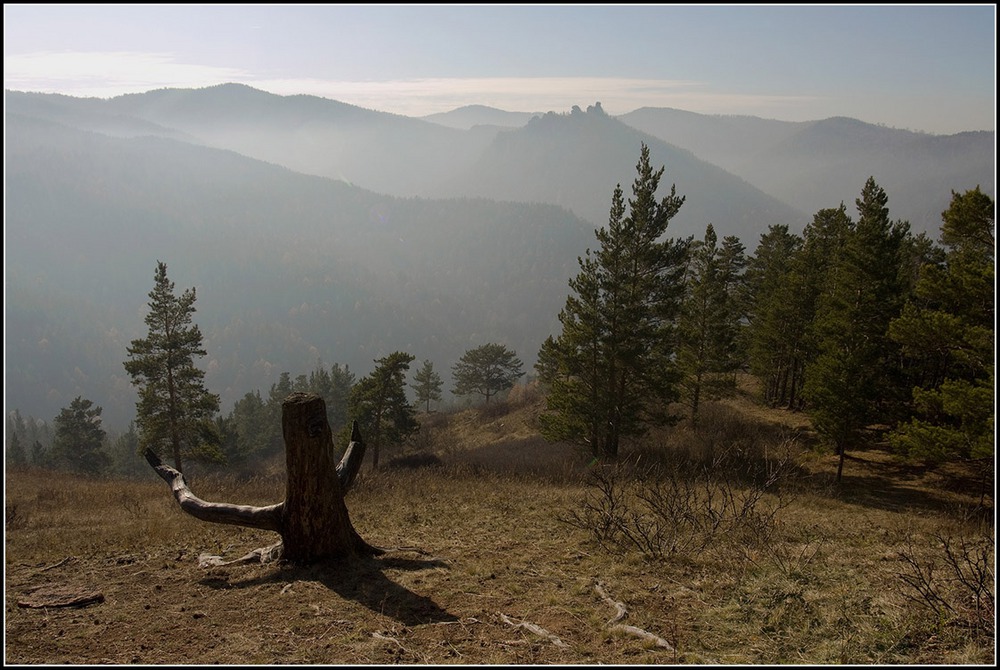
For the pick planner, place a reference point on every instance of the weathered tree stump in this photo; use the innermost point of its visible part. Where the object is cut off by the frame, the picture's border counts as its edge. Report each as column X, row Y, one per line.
column 313, row 520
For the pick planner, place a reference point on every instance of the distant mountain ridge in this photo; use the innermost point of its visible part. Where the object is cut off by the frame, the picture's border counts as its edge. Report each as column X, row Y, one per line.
column 812, row 165
column 470, row 116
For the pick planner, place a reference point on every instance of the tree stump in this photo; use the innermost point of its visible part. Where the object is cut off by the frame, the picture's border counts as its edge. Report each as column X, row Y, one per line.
column 313, row 521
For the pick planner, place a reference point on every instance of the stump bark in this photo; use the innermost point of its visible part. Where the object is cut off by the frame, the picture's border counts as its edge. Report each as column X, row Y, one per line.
column 313, row 520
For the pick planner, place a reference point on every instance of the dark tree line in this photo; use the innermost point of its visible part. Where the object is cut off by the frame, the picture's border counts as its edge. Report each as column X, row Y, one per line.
column 876, row 333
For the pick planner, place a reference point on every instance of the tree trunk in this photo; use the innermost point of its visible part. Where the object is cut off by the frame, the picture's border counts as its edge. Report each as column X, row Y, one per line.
column 313, row 520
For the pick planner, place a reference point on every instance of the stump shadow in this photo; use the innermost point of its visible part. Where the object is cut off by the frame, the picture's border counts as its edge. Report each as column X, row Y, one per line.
column 363, row 580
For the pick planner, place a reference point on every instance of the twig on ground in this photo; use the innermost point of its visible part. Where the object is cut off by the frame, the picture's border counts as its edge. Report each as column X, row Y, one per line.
column 534, row 628
column 56, row 565
column 620, row 613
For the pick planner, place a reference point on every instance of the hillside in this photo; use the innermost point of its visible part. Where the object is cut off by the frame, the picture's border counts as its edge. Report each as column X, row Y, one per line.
column 494, row 559
column 289, row 269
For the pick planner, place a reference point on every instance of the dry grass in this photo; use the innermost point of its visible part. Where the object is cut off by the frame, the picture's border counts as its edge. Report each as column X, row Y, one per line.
column 486, row 549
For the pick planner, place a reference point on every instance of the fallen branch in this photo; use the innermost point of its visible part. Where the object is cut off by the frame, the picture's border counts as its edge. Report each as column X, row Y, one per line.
column 60, row 596
column 56, row 565
column 620, row 610
column 267, row 554
column 388, row 638
column 645, row 635
column 534, row 628
column 621, row 613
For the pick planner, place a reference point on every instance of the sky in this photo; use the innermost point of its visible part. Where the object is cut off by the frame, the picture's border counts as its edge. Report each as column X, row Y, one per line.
column 928, row 68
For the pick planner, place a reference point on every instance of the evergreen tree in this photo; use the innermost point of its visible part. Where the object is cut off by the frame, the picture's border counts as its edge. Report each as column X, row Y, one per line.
column 547, row 363
column 79, row 439
column 850, row 377
column 947, row 331
column 175, row 411
column 487, row 370
column 39, row 456
column 125, row 453
column 252, row 430
column 427, row 385
column 16, row 456
column 341, row 382
column 615, row 373
column 709, row 323
column 775, row 331
column 378, row 403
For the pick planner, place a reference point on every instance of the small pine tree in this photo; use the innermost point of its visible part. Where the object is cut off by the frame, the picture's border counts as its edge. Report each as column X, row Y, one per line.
column 378, row 403
column 79, row 439
column 175, row 411
column 427, row 385
column 486, row 370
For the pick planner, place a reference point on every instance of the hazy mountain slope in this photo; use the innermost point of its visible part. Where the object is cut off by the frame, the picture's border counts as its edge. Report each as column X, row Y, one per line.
column 726, row 141
column 480, row 115
column 375, row 150
column 817, row 164
column 574, row 161
column 85, row 114
column 289, row 269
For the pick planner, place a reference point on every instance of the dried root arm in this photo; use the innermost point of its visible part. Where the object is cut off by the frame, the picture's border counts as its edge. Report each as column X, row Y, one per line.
column 534, row 628
column 349, row 465
column 620, row 613
column 264, row 518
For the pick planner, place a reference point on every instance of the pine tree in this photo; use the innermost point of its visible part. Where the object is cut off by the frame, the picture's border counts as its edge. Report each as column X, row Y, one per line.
column 947, row 331
column 775, row 331
column 709, row 323
column 427, row 385
column 79, row 439
column 16, row 456
column 850, row 378
column 378, row 403
column 175, row 411
column 487, row 370
column 615, row 373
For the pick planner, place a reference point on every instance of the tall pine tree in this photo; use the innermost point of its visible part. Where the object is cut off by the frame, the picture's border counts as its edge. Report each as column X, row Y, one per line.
column 709, row 324
column 611, row 371
column 175, row 411
column 851, row 377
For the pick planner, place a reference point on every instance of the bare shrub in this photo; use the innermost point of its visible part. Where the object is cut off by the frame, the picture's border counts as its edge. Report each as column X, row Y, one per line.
column 494, row 409
column 683, row 508
column 14, row 517
column 955, row 584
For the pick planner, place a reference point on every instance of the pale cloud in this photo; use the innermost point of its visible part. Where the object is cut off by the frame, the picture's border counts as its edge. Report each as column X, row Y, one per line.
column 108, row 74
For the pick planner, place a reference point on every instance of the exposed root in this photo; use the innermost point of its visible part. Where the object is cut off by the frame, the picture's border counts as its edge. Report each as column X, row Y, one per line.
column 620, row 610
column 534, row 628
column 262, row 555
column 388, row 638
column 64, row 561
column 621, row 613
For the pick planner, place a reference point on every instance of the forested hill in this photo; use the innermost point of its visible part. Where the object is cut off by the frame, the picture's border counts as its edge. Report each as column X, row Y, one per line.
column 289, row 269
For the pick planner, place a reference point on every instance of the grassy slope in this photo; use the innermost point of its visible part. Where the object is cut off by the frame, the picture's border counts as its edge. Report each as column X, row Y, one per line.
column 485, row 549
